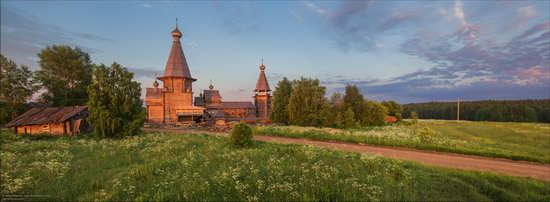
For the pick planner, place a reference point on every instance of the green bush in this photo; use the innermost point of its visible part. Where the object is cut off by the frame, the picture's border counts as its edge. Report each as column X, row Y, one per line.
column 399, row 117
column 241, row 135
column 414, row 118
column 372, row 114
column 426, row 134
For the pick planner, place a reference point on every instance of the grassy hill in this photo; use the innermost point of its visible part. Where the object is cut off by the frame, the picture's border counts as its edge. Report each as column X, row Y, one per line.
column 199, row 167
column 516, row 141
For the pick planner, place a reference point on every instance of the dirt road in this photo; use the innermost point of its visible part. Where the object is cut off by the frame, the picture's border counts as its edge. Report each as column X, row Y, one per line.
column 468, row 162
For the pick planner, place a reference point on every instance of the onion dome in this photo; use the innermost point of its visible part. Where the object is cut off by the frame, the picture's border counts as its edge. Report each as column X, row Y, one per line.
column 177, row 66
column 262, row 84
column 176, row 33
column 156, row 84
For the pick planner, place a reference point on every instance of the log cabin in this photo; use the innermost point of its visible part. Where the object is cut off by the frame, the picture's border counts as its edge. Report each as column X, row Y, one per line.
column 52, row 120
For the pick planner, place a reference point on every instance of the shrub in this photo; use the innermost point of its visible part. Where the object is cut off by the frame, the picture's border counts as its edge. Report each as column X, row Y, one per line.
column 348, row 120
column 426, row 134
column 372, row 114
column 241, row 135
column 399, row 117
column 414, row 118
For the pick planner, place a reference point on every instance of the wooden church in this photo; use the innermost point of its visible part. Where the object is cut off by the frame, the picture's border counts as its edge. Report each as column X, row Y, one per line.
column 172, row 101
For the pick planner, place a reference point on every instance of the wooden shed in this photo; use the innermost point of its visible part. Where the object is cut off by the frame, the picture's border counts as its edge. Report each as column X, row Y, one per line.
column 52, row 120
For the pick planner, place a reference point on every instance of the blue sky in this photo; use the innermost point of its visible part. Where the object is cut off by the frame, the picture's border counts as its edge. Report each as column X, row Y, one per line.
column 402, row 50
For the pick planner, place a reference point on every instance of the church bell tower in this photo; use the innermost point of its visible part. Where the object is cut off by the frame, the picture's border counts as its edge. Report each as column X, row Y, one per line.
column 262, row 97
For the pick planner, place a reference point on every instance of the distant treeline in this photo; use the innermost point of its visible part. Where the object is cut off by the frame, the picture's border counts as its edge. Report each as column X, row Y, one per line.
column 487, row 110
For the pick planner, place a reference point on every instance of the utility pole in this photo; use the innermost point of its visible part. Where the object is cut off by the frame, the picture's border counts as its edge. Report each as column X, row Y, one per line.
column 458, row 110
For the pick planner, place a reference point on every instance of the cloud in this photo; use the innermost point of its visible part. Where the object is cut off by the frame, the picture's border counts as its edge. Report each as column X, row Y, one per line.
column 360, row 25
column 22, row 36
column 316, row 9
column 474, row 68
column 424, row 90
column 146, row 5
column 467, row 62
column 274, row 77
column 297, row 16
column 527, row 11
column 149, row 72
column 520, row 18
column 524, row 15
column 407, row 92
column 239, row 17
column 459, row 13
column 191, row 43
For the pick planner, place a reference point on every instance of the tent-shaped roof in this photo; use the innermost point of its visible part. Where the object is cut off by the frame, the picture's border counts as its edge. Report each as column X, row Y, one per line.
column 176, row 66
column 262, row 84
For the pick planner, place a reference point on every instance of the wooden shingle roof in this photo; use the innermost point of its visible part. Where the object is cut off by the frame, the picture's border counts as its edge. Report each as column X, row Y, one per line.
column 237, row 105
column 46, row 115
column 176, row 66
column 262, row 84
column 152, row 93
column 210, row 95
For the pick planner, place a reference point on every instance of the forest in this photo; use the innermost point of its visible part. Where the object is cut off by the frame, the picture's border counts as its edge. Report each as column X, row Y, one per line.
column 486, row 110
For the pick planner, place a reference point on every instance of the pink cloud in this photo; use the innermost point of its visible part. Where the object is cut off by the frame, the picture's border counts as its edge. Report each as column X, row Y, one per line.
column 534, row 72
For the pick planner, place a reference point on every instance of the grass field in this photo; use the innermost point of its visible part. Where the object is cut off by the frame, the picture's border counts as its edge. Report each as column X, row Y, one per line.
column 199, row 167
column 516, row 141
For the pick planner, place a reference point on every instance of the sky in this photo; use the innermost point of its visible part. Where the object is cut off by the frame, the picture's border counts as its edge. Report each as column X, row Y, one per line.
column 408, row 51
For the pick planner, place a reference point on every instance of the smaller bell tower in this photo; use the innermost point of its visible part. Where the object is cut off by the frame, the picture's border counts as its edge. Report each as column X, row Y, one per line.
column 262, row 97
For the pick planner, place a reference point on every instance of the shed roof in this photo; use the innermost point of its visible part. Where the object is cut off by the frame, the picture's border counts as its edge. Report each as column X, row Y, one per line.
column 46, row 115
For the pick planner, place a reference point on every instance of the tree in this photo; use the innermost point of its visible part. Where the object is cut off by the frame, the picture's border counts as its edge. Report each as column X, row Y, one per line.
column 335, row 111
column 335, row 120
column 393, row 107
column 279, row 102
column 65, row 73
column 307, row 105
column 484, row 110
column 349, row 119
column 16, row 86
column 114, row 103
column 353, row 99
column 372, row 114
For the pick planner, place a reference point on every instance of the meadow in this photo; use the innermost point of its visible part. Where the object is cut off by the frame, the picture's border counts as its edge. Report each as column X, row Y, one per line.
column 160, row 166
column 516, row 141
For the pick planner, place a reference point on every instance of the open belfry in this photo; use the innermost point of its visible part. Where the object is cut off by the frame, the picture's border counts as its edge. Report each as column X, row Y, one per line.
column 173, row 102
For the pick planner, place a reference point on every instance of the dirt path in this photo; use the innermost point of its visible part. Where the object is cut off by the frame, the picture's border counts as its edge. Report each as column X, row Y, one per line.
column 468, row 162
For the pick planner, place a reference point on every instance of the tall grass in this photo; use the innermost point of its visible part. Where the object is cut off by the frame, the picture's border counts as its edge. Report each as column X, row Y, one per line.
column 198, row 167
column 516, row 141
